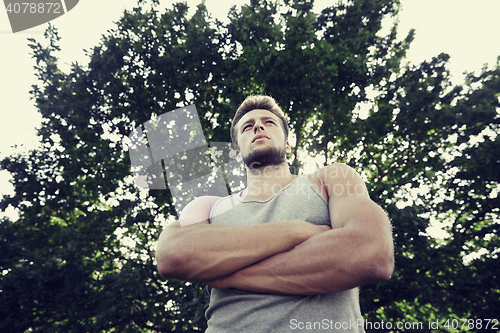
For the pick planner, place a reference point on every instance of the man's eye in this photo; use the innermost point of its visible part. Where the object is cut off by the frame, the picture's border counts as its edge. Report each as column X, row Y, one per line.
column 246, row 127
column 270, row 121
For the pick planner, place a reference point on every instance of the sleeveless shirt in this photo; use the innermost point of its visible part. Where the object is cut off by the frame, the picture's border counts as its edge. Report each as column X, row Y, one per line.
column 234, row 310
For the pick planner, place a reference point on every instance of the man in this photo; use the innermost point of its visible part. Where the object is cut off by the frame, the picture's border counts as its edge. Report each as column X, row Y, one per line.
column 288, row 252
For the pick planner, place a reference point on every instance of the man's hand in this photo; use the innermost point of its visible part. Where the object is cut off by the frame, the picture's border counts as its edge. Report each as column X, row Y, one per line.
column 315, row 229
column 234, row 280
column 221, row 283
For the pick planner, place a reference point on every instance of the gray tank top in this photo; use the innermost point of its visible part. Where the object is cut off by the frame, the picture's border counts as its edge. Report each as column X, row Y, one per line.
column 241, row 311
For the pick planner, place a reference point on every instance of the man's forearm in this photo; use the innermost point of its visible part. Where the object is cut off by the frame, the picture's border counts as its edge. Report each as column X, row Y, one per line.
column 204, row 252
column 329, row 262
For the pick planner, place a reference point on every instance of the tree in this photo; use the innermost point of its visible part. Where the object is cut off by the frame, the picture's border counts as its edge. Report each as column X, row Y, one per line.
column 424, row 134
column 81, row 255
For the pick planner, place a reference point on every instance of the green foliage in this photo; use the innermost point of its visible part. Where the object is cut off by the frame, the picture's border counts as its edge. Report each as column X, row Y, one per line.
column 80, row 258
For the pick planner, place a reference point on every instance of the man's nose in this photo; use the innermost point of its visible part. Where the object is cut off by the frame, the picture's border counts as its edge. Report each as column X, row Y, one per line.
column 258, row 126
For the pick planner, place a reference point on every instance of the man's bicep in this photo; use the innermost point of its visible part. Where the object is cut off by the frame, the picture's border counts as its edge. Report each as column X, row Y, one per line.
column 363, row 219
column 174, row 237
column 347, row 193
column 195, row 212
column 360, row 212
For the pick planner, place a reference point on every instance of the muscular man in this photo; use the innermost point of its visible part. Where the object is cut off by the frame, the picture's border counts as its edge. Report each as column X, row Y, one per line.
column 288, row 252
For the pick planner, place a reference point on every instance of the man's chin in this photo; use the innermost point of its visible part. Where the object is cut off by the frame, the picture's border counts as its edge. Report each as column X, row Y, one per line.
column 268, row 156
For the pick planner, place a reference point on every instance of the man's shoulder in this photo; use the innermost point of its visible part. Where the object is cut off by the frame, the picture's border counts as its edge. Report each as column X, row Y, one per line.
column 198, row 210
column 334, row 171
column 202, row 203
column 341, row 180
column 205, row 200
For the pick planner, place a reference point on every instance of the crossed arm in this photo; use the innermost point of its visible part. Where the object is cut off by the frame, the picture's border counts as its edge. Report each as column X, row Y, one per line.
column 288, row 257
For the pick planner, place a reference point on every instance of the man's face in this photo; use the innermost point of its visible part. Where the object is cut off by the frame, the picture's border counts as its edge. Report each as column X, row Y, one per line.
column 261, row 139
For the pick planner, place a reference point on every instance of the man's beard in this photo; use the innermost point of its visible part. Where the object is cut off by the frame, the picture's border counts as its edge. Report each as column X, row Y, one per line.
column 260, row 158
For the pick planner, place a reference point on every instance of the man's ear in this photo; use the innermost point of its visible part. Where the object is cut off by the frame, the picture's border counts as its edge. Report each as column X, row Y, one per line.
column 288, row 148
column 239, row 157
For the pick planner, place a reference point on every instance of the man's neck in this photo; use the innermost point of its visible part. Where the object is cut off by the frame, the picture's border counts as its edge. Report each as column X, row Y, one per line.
column 264, row 182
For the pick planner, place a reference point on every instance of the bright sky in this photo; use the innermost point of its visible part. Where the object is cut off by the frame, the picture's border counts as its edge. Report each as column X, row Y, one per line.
column 466, row 30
